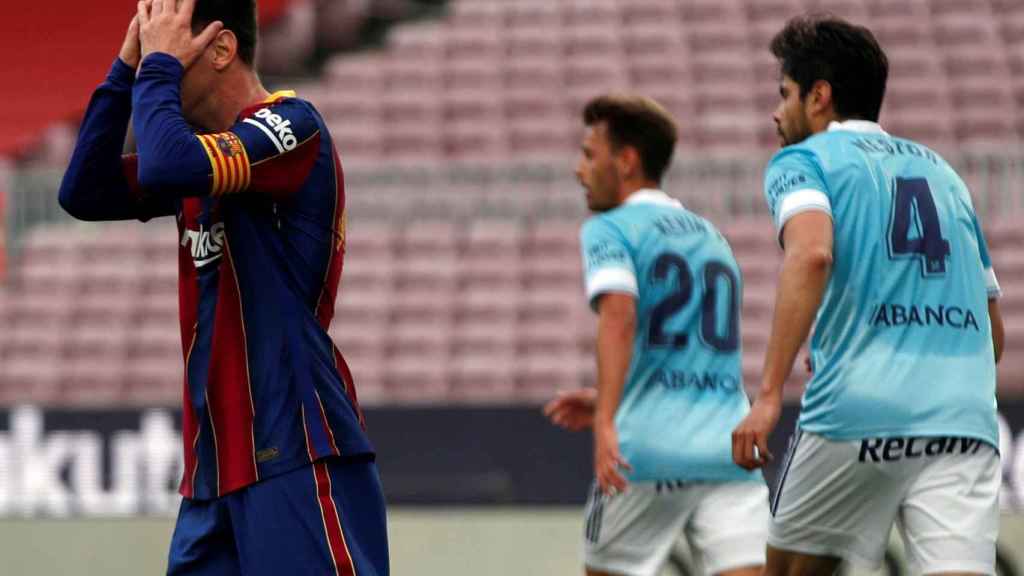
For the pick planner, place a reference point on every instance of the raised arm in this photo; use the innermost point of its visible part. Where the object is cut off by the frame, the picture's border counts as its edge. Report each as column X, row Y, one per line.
column 270, row 149
column 100, row 183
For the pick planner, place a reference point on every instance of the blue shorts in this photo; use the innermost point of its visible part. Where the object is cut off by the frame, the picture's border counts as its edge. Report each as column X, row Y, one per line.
column 326, row 518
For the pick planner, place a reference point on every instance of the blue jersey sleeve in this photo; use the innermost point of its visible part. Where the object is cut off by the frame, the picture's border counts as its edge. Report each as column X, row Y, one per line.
column 272, row 150
column 607, row 263
column 991, row 282
column 100, row 183
column 794, row 183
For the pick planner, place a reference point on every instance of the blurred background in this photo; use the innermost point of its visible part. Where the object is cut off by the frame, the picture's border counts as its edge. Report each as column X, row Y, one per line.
column 461, row 307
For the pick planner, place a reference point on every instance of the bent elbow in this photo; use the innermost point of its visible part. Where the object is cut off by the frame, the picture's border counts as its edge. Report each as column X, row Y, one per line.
column 152, row 177
column 819, row 259
column 69, row 200
column 813, row 260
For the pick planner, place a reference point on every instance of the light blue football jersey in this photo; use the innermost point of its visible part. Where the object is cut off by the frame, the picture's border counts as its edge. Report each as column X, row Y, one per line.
column 902, row 344
column 684, row 391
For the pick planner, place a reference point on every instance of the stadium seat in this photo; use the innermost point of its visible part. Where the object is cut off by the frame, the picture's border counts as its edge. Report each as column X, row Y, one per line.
column 483, row 377
column 531, row 15
column 717, row 37
column 854, row 10
column 474, row 44
column 579, row 13
column 29, row 380
column 288, row 43
column 538, row 378
column 704, row 13
column 415, row 379
column 480, row 330
column 640, row 12
column 477, row 15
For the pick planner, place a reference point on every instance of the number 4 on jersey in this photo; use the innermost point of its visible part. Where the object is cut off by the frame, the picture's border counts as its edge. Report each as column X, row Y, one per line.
column 914, row 211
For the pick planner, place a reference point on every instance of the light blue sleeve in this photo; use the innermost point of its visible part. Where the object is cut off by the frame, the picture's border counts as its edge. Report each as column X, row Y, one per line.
column 991, row 282
column 607, row 263
column 795, row 183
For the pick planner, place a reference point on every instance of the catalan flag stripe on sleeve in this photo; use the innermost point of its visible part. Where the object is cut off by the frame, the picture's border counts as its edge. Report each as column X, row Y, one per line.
column 229, row 162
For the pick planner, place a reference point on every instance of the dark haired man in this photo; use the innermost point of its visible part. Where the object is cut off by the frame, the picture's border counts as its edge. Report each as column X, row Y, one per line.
column 279, row 475
column 667, row 292
column 885, row 256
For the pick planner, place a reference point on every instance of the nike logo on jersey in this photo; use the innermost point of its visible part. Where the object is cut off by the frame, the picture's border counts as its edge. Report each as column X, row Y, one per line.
column 277, row 129
column 895, row 449
column 206, row 246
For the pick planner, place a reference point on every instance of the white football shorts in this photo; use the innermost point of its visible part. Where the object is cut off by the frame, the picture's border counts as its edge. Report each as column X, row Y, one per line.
column 841, row 498
column 632, row 533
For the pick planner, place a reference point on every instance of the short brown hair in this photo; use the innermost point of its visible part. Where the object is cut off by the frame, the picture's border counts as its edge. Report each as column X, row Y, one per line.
column 639, row 122
column 824, row 47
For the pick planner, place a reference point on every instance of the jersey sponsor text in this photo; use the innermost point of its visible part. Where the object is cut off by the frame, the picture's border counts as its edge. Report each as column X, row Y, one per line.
column 955, row 317
column 896, row 449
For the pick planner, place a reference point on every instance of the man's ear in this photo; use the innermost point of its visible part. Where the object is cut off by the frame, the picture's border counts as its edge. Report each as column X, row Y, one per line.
column 629, row 162
column 819, row 99
column 225, row 49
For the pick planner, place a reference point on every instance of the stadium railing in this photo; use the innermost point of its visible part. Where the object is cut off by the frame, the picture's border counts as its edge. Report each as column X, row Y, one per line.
column 718, row 187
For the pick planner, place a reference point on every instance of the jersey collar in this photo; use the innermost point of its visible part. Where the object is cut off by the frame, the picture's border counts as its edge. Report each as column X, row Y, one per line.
column 652, row 196
column 278, row 95
column 865, row 126
column 273, row 98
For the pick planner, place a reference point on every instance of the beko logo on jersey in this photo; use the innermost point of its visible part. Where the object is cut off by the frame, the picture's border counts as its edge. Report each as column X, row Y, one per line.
column 207, row 246
column 279, row 131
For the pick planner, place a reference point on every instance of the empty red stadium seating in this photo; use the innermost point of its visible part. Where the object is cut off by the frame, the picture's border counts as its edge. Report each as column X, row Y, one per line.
column 432, row 311
column 466, row 308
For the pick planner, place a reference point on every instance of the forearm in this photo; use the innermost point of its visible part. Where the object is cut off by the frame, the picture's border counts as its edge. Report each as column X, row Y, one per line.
column 802, row 285
column 94, row 186
column 998, row 332
column 172, row 161
column 614, row 354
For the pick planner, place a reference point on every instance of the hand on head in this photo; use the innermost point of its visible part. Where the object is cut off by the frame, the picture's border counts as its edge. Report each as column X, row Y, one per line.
column 131, row 50
column 166, row 26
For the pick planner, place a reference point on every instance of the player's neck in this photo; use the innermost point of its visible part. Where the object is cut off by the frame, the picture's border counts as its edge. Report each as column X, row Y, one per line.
column 629, row 188
column 240, row 89
column 821, row 122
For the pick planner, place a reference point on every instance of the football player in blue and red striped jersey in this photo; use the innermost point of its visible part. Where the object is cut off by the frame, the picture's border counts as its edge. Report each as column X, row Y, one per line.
column 279, row 473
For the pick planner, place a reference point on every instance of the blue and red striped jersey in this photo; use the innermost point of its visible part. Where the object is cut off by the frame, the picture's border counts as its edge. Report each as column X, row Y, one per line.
column 260, row 209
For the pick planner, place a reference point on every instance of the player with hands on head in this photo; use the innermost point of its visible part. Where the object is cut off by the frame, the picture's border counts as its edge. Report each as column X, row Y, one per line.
column 279, row 474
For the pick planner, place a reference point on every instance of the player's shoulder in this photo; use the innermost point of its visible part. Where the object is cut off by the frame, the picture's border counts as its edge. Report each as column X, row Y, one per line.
column 826, row 153
column 809, row 154
column 602, row 223
column 285, row 119
column 281, row 107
